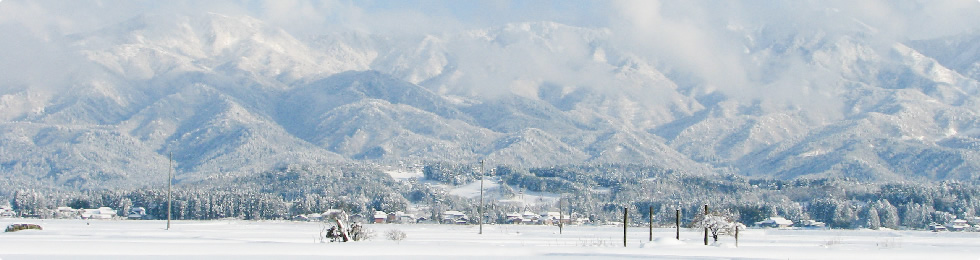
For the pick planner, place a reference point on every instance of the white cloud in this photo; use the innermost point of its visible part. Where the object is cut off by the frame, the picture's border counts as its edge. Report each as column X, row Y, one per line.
column 705, row 40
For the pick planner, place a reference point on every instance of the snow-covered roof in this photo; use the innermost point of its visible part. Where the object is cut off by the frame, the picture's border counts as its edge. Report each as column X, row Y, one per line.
column 775, row 220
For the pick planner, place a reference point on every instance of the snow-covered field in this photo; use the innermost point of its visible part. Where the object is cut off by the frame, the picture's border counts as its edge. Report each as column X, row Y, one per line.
column 80, row 239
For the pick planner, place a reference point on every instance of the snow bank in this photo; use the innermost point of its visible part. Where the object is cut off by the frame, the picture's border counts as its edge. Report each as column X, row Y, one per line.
column 663, row 241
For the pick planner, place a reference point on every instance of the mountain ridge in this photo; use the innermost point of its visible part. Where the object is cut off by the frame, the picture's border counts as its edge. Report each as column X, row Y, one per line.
column 233, row 96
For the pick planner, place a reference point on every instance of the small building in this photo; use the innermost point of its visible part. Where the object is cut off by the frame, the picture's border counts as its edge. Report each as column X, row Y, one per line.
column 136, row 213
column 514, row 218
column 530, row 218
column 380, row 217
column 934, row 227
column 99, row 213
column 958, row 225
column 809, row 223
column 401, row 217
column 424, row 220
column 973, row 220
column 775, row 222
column 66, row 212
column 454, row 217
column 6, row 212
column 550, row 218
column 580, row 221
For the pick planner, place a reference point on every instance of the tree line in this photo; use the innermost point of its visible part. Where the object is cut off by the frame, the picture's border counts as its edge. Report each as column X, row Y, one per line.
column 598, row 192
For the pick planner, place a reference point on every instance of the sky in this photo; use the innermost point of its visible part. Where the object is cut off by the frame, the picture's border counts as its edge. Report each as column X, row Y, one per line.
column 912, row 19
column 694, row 36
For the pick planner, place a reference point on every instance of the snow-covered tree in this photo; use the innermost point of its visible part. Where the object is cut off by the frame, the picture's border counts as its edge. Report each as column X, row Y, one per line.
column 888, row 214
column 915, row 215
column 717, row 224
column 871, row 219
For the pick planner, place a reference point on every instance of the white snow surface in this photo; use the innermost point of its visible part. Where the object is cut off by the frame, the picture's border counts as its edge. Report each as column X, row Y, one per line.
column 405, row 174
column 236, row 239
column 472, row 190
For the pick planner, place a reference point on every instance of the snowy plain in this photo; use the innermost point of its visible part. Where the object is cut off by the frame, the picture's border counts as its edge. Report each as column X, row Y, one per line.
column 236, row 239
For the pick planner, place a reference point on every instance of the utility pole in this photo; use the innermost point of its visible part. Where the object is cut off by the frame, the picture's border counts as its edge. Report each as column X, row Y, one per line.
column 626, row 218
column 705, row 228
column 170, row 184
column 651, row 223
column 481, row 196
column 677, row 224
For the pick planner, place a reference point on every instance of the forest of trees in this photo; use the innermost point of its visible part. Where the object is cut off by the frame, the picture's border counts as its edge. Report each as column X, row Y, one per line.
column 598, row 192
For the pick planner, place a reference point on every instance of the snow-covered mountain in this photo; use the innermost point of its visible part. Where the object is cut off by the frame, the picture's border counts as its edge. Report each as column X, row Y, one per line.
column 230, row 95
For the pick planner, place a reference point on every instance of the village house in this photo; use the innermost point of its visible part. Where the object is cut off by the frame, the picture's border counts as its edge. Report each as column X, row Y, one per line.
column 514, row 218
column 958, row 225
column 6, row 212
column 136, row 213
column 809, row 223
column 66, row 212
column 401, row 217
column 935, row 227
column 454, row 217
column 301, row 218
column 775, row 222
column 380, row 217
column 530, row 218
column 550, row 218
column 99, row 213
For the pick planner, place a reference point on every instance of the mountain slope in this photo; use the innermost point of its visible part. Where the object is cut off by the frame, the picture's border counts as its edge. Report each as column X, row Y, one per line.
column 232, row 95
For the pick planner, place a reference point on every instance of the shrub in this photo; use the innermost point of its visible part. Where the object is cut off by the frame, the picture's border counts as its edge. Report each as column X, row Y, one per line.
column 19, row 227
column 396, row 235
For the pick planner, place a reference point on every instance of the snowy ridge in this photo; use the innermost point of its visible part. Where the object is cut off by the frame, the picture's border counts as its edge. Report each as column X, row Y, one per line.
column 230, row 95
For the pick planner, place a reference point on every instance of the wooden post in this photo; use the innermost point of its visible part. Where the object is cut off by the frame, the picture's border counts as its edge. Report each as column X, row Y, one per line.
column 736, row 234
column 677, row 223
column 481, row 198
column 626, row 214
column 705, row 228
column 651, row 223
column 170, row 184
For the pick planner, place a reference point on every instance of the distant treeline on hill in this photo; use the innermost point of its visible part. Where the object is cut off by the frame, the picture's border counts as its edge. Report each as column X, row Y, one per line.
column 598, row 192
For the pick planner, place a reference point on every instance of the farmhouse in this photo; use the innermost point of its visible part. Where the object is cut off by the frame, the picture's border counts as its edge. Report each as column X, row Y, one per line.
column 958, row 225
column 401, row 217
column 6, row 212
column 775, row 222
column 136, row 213
column 809, row 223
column 934, row 227
column 380, row 217
column 454, row 217
column 99, row 213
column 66, row 212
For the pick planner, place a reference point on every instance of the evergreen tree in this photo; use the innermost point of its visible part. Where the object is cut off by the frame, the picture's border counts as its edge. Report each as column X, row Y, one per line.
column 871, row 218
column 888, row 214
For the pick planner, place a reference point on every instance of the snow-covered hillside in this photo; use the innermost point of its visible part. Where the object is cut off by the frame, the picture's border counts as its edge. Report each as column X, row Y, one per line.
column 232, row 94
